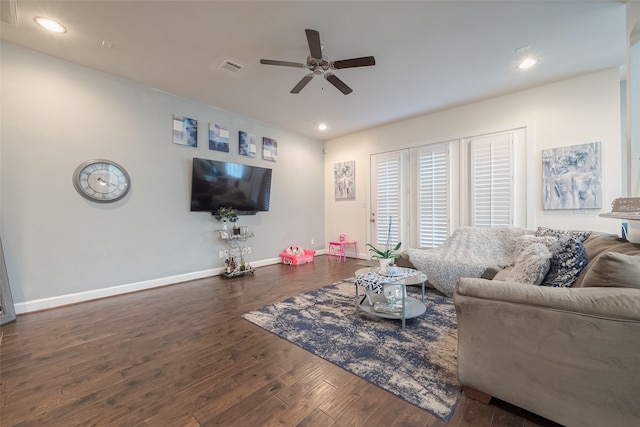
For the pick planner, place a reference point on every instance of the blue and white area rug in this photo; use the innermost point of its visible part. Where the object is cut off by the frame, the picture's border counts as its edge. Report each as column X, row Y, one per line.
column 418, row 364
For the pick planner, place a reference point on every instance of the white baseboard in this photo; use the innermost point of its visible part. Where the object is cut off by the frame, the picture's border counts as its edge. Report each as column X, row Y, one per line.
column 60, row 300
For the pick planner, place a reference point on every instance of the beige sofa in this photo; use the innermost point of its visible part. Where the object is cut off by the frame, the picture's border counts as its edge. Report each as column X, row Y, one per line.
column 571, row 355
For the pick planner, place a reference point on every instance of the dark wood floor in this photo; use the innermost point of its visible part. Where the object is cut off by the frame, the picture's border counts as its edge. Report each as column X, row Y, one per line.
column 182, row 356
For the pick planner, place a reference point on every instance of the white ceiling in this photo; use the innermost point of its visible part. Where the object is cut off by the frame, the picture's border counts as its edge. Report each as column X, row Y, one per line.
column 430, row 54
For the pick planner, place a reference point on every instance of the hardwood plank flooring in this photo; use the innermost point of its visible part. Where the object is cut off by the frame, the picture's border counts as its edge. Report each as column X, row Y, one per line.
column 182, row 355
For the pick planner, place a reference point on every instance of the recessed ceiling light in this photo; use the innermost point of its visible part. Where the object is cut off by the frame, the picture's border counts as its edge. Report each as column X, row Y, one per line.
column 50, row 25
column 322, row 126
column 527, row 63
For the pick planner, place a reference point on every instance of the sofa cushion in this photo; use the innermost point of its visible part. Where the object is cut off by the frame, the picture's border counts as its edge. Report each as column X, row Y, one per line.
column 599, row 244
column 532, row 264
column 580, row 236
column 491, row 272
column 568, row 259
column 614, row 269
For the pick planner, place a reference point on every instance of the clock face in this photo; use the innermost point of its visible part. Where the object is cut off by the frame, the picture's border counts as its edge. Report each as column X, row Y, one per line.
column 101, row 181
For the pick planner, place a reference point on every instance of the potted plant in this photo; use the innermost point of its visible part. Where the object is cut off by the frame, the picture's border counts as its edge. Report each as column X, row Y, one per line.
column 386, row 256
column 226, row 214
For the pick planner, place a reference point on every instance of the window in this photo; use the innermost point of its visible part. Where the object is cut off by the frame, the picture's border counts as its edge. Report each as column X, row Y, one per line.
column 432, row 195
column 478, row 181
column 491, row 181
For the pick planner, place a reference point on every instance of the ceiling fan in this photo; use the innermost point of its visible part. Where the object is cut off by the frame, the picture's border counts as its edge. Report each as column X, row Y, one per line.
column 319, row 65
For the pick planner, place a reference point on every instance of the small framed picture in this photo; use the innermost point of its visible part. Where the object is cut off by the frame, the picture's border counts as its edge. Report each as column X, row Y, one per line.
column 269, row 149
column 218, row 138
column 185, row 131
column 248, row 146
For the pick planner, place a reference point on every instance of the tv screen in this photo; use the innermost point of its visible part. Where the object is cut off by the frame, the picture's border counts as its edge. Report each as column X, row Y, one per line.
column 215, row 183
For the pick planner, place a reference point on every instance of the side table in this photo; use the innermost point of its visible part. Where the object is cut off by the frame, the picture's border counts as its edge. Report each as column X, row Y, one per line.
column 339, row 249
column 408, row 307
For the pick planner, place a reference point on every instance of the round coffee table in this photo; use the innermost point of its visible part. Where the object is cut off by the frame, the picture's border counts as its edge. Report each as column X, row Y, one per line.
column 404, row 307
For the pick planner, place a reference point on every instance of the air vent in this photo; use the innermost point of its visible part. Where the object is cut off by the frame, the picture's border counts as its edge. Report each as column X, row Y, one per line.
column 230, row 67
column 9, row 12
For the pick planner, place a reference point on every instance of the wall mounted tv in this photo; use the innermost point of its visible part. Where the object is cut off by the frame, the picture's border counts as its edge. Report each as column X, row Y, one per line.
column 215, row 183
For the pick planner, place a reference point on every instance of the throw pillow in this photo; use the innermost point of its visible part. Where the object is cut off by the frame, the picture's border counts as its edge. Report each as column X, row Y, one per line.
column 580, row 236
column 531, row 265
column 568, row 259
column 614, row 269
column 524, row 241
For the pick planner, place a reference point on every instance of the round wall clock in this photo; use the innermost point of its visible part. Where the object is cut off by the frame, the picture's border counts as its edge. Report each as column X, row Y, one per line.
column 101, row 181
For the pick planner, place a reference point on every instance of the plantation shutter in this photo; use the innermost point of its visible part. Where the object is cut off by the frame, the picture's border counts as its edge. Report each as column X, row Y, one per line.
column 387, row 199
column 433, row 200
column 492, row 181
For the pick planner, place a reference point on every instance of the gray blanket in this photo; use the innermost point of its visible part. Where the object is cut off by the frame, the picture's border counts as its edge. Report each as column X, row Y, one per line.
column 468, row 252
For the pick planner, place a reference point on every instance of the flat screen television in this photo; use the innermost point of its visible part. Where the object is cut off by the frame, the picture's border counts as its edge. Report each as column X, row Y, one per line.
column 242, row 187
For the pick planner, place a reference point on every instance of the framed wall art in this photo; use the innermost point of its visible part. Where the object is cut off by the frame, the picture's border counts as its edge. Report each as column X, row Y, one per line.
column 185, row 131
column 344, row 175
column 572, row 177
column 247, row 144
column 218, row 138
column 269, row 149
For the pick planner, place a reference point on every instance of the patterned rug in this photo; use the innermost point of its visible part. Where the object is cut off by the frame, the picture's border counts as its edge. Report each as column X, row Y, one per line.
column 418, row 364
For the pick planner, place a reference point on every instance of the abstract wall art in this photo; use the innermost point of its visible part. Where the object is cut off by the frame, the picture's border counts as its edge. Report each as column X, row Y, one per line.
column 185, row 131
column 269, row 149
column 345, row 180
column 572, row 177
column 248, row 144
column 218, row 138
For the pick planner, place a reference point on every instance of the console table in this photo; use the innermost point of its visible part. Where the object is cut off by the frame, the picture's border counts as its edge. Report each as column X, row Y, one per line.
column 236, row 245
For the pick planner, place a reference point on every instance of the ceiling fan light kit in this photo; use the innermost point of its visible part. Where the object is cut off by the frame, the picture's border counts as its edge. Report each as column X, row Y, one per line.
column 317, row 64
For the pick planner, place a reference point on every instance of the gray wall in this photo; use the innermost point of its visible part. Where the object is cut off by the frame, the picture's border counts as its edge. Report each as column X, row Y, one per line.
column 59, row 246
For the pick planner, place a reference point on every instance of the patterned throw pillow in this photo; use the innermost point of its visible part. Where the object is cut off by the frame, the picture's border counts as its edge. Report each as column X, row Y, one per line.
column 580, row 236
column 568, row 259
column 532, row 265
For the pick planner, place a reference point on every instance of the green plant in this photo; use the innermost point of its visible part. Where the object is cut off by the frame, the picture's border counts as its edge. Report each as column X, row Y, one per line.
column 226, row 214
column 389, row 252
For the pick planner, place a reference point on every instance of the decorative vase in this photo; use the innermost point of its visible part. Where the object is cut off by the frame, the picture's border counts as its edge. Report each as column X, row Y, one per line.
column 385, row 263
column 224, row 225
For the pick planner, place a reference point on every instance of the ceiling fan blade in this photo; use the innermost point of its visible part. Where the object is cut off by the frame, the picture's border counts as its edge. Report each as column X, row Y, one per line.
column 365, row 61
column 313, row 39
column 342, row 86
column 302, row 83
column 283, row 63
